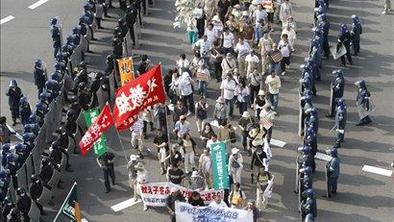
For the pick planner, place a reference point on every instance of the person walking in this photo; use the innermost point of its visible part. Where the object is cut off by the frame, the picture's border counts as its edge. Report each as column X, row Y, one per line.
column 106, row 162
column 273, row 85
column 15, row 94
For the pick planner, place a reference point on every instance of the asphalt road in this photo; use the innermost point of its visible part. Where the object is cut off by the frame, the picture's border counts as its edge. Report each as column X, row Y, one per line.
column 362, row 196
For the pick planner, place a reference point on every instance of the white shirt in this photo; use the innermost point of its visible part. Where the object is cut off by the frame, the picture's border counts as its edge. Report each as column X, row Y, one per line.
column 210, row 142
column 252, row 58
column 260, row 15
column 205, row 163
column 142, row 176
column 137, row 127
column 243, row 49
column 228, row 40
column 210, row 35
column 242, row 93
column 228, row 87
column 216, row 205
column 274, row 84
column 182, row 128
column 284, row 48
column 183, row 63
column 205, row 47
column 185, row 85
column 285, row 11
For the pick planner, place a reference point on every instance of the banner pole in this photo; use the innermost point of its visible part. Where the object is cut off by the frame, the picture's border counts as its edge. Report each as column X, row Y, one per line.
column 121, row 145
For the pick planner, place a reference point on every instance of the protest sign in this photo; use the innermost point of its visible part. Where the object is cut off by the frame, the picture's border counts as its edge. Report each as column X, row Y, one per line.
column 187, row 213
column 155, row 194
column 219, row 166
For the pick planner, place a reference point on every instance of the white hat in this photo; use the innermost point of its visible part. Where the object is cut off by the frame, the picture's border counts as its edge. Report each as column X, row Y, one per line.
column 245, row 13
column 182, row 117
column 134, row 157
column 261, row 93
column 246, row 114
column 216, row 18
column 194, row 174
column 220, row 100
column 234, row 150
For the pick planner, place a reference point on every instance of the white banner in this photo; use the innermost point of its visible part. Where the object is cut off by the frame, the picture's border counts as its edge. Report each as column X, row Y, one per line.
column 187, row 213
column 155, row 194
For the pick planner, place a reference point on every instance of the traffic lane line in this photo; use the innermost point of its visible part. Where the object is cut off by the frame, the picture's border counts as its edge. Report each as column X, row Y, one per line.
column 6, row 19
column 125, row 204
column 38, row 3
column 377, row 170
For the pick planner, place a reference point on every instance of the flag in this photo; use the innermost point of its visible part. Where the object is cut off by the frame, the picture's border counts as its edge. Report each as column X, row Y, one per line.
column 70, row 206
column 126, row 70
column 136, row 95
column 219, row 166
column 99, row 125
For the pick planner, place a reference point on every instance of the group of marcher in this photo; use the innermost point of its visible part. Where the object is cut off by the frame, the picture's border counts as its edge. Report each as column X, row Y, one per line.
column 232, row 44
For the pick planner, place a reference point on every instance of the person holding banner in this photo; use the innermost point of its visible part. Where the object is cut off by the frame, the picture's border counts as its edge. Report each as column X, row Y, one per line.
column 175, row 175
column 205, row 167
column 237, row 196
column 137, row 135
column 196, row 200
column 106, row 162
column 175, row 195
column 161, row 143
column 218, row 202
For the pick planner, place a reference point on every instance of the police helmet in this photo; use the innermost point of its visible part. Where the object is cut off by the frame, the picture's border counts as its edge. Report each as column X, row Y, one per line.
column 306, row 170
column 31, row 128
column 20, row 147
column 360, row 83
column 6, row 147
column 53, row 20
column 20, row 191
column 332, row 152
column 38, row 63
column 28, row 137
column 3, row 174
column 45, row 161
column 34, row 178
column 10, row 157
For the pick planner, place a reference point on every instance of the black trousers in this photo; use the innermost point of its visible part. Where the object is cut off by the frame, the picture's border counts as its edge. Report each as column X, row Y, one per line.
column 109, row 172
column 132, row 35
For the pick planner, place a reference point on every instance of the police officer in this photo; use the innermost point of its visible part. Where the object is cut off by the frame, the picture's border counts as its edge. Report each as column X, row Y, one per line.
column 24, row 110
column 23, row 203
column 46, row 171
column 106, row 162
column 332, row 171
column 84, row 96
column 14, row 215
column 21, row 151
column 308, row 205
column 40, row 75
column 56, row 35
column 309, row 218
column 364, row 106
column 345, row 39
column 35, row 189
column 131, row 16
column 4, row 184
column 13, row 167
column 53, row 88
column 7, row 206
column 310, row 139
column 340, row 122
column 337, row 90
column 325, row 30
column 356, row 31
column 15, row 94
column 312, row 118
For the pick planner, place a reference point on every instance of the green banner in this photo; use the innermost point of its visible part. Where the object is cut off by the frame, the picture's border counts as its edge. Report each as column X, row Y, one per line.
column 70, row 206
column 99, row 146
column 219, row 166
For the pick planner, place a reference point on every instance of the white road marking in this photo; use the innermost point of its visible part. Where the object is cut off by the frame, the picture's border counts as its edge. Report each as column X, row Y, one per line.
column 6, row 19
column 38, row 3
column 322, row 156
column 17, row 135
column 279, row 143
column 377, row 170
column 125, row 204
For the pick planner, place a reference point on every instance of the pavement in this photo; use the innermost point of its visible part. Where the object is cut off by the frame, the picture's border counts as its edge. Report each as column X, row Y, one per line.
column 362, row 196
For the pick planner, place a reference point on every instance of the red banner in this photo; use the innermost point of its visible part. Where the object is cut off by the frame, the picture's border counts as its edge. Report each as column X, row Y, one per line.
column 96, row 129
column 136, row 95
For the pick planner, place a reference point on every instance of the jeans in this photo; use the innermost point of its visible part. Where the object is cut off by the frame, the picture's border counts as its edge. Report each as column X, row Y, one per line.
column 202, row 88
column 274, row 99
column 242, row 106
column 230, row 107
column 190, row 99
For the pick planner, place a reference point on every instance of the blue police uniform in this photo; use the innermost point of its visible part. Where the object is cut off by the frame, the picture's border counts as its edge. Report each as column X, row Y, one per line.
column 14, row 94
column 356, row 31
column 345, row 39
column 40, row 76
column 333, row 169
column 364, row 106
column 338, row 88
column 340, row 122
